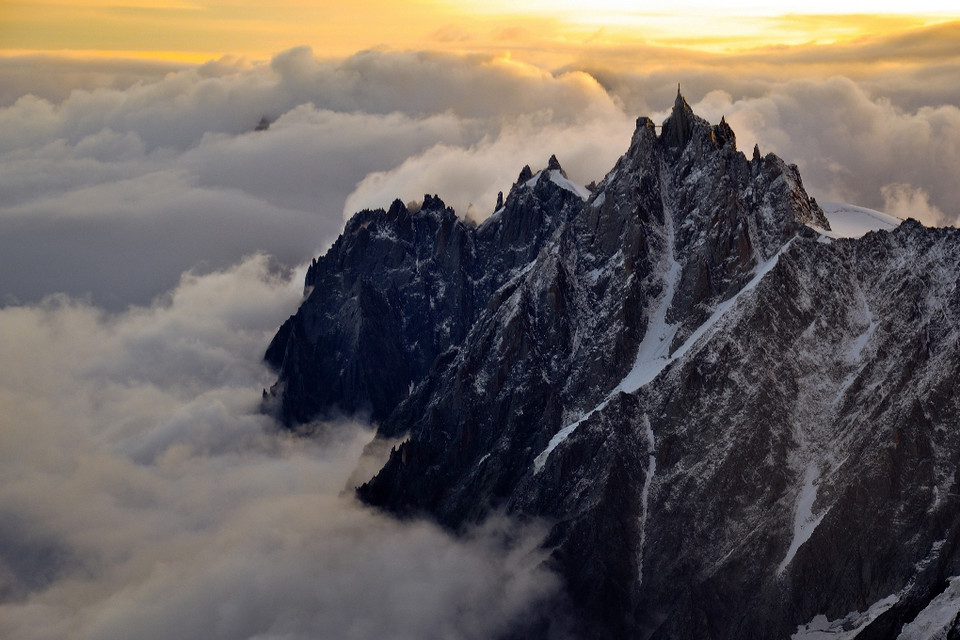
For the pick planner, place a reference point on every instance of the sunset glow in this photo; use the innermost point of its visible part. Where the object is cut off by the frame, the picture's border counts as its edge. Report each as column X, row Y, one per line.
column 553, row 32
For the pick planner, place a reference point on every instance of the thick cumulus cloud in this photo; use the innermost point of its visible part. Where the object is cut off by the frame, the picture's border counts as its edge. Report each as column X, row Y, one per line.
column 143, row 494
column 116, row 189
column 472, row 176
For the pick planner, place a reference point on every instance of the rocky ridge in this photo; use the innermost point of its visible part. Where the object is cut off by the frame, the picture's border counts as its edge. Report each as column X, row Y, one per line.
column 736, row 427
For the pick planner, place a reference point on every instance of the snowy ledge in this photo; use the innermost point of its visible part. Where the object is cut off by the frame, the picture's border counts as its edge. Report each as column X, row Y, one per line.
column 851, row 221
column 557, row 178
column 652, row 356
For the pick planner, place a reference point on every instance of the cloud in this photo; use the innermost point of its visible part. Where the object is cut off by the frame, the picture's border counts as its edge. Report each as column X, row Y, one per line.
column 104, row 217
column 53, row 78
column 143, row 494
column 115, row 190
column 906, row 201
column 468, row 178
column 478, row 86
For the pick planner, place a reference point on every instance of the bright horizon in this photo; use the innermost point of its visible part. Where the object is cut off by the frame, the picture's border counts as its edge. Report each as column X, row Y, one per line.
column 550, row 34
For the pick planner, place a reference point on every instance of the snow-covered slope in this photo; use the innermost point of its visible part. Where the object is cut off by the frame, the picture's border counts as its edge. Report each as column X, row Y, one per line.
column 850, row 221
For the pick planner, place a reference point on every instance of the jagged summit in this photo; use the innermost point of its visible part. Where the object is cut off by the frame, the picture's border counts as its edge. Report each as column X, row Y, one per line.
column 713, row 406
column 681, row 128
column 525, row 174
column 717, row 228
column 678, row 127
column 546, row 180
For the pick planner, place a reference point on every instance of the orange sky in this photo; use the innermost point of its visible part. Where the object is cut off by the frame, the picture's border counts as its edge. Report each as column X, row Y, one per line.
column 546, row 32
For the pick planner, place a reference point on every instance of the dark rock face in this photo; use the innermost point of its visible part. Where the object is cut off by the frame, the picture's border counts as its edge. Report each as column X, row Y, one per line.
column 395, row 291
column 733, row 424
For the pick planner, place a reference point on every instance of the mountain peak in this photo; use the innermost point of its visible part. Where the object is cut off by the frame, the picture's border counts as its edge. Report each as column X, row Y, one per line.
column 525, row 174
column 675, row 358
column 432, row 203
column 678, row 127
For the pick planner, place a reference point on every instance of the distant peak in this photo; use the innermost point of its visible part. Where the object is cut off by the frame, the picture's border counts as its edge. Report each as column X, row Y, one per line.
column 554, row 164
column 525, row 174
column 678, row 128
column 432, row 203
column 680, row 103
column 398, row 210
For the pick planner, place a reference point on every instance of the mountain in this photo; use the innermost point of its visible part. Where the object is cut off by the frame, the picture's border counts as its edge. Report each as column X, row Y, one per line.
column 737, row 423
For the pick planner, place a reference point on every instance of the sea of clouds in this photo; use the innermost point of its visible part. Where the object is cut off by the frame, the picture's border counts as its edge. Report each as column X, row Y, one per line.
column 151, row 242
column 144, row 495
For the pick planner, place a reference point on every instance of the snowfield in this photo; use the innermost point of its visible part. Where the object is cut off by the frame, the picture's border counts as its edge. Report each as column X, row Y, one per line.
column 851, row 221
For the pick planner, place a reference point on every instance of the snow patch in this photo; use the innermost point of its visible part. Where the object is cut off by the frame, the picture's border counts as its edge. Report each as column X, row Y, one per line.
column 655, row 342
column 558, row 178
column 600, row 200
column 935, row 621
column 557, row 438
column 645, row 495
column 856, row 348
column 492, row 218
column 645, row 370
column 854, row 352
column 561, row 181
column 850, row 221
column 804, row 521
column 653, row 355
column 847, row 627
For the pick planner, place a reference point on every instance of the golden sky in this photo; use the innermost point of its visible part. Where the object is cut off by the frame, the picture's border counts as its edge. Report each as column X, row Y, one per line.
column 546, row 32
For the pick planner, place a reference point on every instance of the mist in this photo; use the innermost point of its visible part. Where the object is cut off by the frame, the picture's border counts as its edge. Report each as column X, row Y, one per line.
column 144, row 494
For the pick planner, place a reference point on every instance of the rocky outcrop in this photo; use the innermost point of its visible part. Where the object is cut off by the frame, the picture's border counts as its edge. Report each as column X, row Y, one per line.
column 396, row 290
column 736, row 427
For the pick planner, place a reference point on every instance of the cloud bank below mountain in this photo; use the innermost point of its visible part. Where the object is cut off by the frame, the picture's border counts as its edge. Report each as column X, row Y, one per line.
column 143, row 494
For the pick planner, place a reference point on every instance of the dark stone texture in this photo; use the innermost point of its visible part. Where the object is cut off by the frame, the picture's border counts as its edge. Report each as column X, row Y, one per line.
column 829, row 382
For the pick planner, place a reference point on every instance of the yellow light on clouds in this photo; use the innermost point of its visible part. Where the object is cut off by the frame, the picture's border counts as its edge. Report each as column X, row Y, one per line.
column 548, row 32
column 682, row 8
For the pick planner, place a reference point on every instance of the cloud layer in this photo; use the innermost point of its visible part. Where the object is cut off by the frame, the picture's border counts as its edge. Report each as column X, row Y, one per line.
column 116, row 188
column 116, row 191
column 143, row 494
